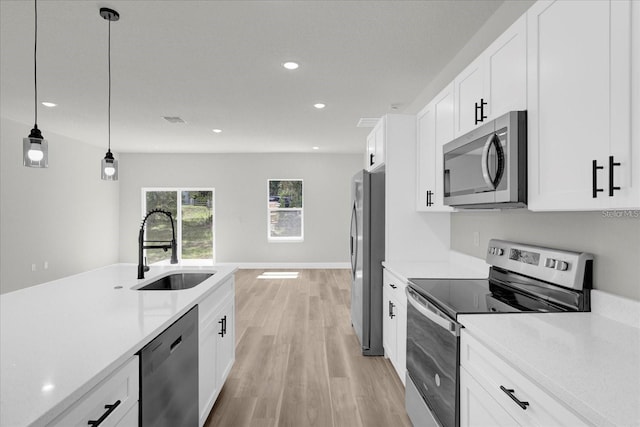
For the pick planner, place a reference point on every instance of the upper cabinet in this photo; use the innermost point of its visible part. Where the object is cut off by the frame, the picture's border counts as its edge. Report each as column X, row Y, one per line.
column 435, row 128
column 495, row 83
column 581, row 148
column 375, row 151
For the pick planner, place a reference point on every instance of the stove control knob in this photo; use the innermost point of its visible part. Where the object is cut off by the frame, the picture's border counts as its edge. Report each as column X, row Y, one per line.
column 550, row 263
column 499, row 251
column 492, row 251
column 562, row 265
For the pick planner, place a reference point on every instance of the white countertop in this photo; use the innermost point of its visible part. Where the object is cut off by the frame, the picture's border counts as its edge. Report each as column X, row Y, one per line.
column 590, row 361
column 61, row 338
column 458, row 265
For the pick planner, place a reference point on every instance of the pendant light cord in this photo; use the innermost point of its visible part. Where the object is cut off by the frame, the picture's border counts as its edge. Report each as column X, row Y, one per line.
column 35, row 66
column 109, row 113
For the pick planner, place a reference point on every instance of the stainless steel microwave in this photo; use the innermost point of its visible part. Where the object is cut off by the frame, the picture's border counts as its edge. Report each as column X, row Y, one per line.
column 487, row 167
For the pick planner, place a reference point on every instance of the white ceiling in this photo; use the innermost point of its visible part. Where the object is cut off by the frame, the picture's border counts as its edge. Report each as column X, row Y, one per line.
column 217, row 64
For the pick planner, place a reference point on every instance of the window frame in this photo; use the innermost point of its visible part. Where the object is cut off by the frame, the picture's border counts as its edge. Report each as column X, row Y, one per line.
column 178, row 222
column 292, row 239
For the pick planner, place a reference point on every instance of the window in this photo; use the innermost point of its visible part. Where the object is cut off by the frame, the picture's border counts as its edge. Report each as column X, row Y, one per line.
column 284, row 208
column 192, row 211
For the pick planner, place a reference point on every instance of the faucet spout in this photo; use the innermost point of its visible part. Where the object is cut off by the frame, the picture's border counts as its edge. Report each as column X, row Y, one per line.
column 165, row 246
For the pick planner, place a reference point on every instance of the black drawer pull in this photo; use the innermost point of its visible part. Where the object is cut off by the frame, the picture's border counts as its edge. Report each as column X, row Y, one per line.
column 371, row 157
column 594, row 179
column 509, row 392
column 109, row 410
column 429, row 201
column 392, row 286
column 611, row 166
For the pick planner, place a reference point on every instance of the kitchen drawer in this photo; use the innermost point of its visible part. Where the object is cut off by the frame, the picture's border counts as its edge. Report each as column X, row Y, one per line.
column 492, row 372
column 395, row 287
column 121, row 386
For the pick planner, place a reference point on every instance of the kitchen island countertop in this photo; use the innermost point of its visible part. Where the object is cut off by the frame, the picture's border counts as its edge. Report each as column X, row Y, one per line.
column 61, row 338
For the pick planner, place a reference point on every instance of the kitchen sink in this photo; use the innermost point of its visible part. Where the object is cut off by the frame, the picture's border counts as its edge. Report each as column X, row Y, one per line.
column 176, row 281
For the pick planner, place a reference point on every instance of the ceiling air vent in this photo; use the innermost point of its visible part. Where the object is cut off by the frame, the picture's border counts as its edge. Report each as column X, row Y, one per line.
column 173, row 119
column 367, row 122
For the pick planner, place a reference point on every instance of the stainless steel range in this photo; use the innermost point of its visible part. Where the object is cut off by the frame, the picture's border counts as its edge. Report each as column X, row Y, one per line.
column 522, row 278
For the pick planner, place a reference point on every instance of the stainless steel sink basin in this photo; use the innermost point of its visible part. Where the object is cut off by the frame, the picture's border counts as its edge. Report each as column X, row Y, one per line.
column 176, row 281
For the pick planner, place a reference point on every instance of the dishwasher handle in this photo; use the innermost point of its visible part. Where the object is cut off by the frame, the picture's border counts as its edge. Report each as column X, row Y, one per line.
column 431, row 312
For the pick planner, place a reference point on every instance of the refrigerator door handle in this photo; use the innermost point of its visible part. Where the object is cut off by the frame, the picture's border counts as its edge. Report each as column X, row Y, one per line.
column 354, row 248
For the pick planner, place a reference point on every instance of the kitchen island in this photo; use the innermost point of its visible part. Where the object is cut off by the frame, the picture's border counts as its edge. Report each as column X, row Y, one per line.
column 60, row 339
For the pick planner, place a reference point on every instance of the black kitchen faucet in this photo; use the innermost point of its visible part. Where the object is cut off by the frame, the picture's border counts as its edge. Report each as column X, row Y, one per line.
column 167, row 244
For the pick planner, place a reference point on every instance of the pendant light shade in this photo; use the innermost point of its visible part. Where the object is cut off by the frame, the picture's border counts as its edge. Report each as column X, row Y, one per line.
column 35, row 149
column 109, row 165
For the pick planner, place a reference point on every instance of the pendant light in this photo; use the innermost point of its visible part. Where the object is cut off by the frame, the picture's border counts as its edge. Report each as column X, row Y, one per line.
column 109, row 165
column 35, row 149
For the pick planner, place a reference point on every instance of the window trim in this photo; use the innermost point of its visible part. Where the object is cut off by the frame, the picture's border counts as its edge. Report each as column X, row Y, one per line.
column 296, row 239
column 178, row 220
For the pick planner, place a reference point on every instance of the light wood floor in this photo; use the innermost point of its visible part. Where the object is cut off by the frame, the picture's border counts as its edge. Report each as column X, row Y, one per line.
column 298, row 361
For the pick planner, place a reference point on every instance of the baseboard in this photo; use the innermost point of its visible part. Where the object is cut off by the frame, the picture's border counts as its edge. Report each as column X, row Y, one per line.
column 288, row 265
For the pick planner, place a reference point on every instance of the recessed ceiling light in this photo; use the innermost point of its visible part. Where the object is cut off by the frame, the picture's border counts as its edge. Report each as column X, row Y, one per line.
column 290, row 65
column 315, row 148
column 49, row 104
column 217, row 130
column 319, row 105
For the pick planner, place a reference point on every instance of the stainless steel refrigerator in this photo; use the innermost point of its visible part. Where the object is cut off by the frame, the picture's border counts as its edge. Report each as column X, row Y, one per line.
column 367, row 254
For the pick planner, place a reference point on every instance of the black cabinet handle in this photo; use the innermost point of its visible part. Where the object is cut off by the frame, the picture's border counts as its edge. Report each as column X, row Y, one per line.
column 429, row 201
column 109, row 410
column 594, row 179
column 392, row 286
column 391, row 314
column 480, row 109
column 509, row 392
column 612, row 164
column 371, row 157
column 223, row 326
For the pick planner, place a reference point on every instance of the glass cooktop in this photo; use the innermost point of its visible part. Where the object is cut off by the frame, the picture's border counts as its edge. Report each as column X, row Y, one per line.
column 467, row 296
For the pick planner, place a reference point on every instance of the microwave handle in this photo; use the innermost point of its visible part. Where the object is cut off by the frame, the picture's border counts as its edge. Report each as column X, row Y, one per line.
column 492, row 182
column 429, row 314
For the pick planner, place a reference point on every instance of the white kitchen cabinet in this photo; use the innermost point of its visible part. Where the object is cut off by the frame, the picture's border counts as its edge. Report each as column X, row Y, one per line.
column 376, row 146
column 507, row 388
column 495, row 82
column 394, row 322
column 113, row 401
column 478, row 408
column 435, row 128
column 216, row 352
column 579, row 107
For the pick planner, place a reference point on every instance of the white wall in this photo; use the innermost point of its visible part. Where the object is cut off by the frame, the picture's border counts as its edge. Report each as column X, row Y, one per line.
column 65, row 214
column 240, row 182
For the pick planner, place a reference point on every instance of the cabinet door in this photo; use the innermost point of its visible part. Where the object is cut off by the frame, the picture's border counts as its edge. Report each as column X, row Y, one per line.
column 426, row 149
column 388, row 325
column 207, row 360
column 505, row 74
column 579, row 102
column 478, row 408
column 225, row 348
column 435, row 128
column 469, row 90
column 376, row 147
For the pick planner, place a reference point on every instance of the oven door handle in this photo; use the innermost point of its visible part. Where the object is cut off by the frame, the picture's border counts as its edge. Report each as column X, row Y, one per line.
column 430, row 314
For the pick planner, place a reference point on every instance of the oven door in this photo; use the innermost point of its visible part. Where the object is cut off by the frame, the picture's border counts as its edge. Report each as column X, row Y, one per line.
column 433, row 357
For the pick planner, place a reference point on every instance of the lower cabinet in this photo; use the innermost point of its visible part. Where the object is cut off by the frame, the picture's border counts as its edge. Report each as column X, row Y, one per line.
column 216, row 352
column 394, row 322
column 112, row 403
column 477, row 407
column 496, row 393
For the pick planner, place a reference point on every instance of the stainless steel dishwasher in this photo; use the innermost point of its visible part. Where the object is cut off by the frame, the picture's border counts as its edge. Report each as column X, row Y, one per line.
column 169, row 376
